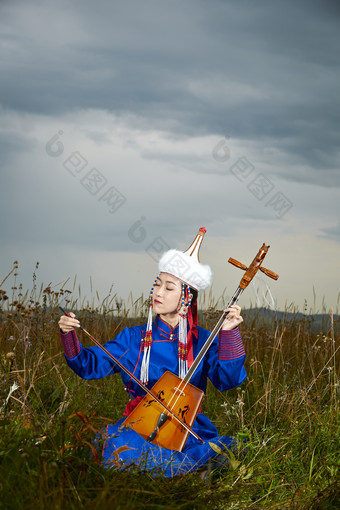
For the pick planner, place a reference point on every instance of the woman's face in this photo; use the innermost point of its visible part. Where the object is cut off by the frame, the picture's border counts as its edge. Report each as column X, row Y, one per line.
column 166, row 298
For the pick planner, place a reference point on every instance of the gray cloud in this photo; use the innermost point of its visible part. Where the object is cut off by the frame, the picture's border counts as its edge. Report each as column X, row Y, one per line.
column 265, row 71
column 332, row 233
column 12, row 145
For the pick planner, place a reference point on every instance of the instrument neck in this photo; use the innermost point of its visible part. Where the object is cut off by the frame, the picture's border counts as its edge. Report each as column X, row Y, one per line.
column 211, row 337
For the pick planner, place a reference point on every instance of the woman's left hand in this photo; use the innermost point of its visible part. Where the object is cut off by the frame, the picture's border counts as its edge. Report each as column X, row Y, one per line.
column 233, row 318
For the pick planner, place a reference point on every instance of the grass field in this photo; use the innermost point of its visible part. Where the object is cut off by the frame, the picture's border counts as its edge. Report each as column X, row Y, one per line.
column 286, row 412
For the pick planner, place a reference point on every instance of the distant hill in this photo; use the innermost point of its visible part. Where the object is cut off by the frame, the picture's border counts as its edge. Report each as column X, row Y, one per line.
column 316, row 323
column 320, row 322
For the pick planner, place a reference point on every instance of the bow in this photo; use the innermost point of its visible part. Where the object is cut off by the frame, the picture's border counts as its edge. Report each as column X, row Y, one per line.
column 137, row 381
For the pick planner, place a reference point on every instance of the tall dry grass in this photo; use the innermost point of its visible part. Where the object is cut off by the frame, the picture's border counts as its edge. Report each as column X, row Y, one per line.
column 285, row 417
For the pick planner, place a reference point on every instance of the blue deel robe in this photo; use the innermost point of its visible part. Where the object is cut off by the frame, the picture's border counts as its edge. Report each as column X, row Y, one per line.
column 93, row 363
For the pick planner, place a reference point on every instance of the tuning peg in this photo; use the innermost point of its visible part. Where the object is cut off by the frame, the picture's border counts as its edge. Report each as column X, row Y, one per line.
column 269, row 273
column 237, row 264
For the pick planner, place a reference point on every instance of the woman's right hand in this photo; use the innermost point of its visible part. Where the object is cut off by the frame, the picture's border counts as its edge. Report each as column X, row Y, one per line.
column 67, row 324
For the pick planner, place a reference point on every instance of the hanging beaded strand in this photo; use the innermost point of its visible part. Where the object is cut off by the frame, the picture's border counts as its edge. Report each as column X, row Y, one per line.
column 182, row 340
column 189, row 298
column 147, row 341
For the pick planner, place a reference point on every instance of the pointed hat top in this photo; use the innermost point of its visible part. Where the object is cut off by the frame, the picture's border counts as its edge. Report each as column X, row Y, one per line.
column 186, row 265
column 194, row 248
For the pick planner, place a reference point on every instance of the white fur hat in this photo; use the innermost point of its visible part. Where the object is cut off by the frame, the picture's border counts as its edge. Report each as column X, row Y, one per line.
column 186, row 265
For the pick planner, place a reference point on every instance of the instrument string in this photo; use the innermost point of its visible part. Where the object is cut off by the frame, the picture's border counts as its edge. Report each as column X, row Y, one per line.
column 185, row 381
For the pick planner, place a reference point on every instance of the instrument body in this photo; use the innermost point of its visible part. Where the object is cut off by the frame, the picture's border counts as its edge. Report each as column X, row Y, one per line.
column 183, row 398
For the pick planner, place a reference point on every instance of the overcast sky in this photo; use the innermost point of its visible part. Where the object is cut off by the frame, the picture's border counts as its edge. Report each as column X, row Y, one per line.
column 126, row 126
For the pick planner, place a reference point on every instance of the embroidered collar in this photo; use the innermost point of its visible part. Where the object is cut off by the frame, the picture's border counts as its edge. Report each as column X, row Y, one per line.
column 165, row 330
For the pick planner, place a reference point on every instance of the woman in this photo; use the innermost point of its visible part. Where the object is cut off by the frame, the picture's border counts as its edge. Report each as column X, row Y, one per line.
column 171, row 342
